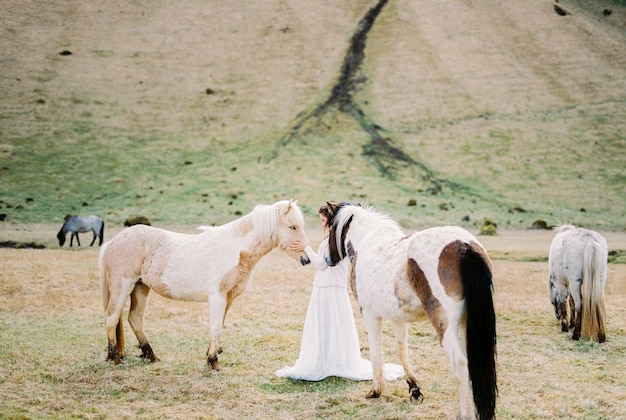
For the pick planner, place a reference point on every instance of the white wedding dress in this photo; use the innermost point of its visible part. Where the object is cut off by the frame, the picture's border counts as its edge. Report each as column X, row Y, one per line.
column 330, row 341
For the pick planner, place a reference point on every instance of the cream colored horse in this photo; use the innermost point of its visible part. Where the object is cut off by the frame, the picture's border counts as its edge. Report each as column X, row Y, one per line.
column 578, row 271
column 212, row 266
column 444, row 272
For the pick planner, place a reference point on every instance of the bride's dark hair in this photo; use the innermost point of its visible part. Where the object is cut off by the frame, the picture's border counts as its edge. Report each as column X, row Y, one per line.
column 328, row 210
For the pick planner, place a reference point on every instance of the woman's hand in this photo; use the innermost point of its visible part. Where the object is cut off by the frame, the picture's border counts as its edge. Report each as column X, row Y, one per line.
column 298, row 245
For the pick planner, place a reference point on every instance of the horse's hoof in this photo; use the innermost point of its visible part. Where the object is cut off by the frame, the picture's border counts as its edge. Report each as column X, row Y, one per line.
column 215, row 364
column 115, row 359
column 147, row 353
column 416, row 395
column 373, row 394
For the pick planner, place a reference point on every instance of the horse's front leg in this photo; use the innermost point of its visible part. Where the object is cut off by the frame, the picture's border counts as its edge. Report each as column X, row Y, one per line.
column 563, row 316
column 74, row 234
column 572, row 312
column 373, row 325
column 402, row 330
column 217, row 313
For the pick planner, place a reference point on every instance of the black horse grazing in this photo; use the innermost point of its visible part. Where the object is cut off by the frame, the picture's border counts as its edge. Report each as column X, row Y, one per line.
column 77, row 224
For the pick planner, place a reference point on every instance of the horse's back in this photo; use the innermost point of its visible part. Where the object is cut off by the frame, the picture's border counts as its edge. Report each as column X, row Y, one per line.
column 567, row 250
column 132, row 245
column 382, row 267
column 83, row 223
column 428, row 245
column 139, row 235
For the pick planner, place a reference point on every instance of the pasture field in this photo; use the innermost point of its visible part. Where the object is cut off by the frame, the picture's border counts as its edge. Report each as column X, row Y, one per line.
column 178, row 111
column 52, row 346
column 114, row 108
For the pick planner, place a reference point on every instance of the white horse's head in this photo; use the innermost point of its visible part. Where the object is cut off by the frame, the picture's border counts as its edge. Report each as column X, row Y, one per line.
column 351, row 224
column 286, row 223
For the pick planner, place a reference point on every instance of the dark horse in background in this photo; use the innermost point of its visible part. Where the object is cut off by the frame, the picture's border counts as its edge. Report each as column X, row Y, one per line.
column 77, row 224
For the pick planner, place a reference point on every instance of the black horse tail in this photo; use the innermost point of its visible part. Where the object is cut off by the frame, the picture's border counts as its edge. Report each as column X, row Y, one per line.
column 61, row 234
column 481, row 331
column 101, row 234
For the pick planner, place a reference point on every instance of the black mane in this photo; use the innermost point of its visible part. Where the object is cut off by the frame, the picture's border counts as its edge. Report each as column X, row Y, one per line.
column 337, row 254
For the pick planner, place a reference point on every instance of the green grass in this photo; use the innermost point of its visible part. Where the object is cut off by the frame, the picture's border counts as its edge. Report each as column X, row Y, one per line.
column 84, row 167
column 73, row 146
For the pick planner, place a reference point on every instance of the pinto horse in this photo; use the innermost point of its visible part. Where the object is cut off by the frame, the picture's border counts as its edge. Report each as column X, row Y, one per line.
column 444, row 272
column 578, row 271
column 75, row 224
column 212, row 266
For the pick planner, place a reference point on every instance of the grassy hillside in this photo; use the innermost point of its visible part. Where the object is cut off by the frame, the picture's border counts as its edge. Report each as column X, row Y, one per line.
column 176, row 110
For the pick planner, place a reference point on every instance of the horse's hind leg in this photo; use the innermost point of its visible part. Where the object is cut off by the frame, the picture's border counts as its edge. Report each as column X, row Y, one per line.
column 94, row 237
column 138, row 300
column 113, row 321
column 454, row 343
column 402, row 349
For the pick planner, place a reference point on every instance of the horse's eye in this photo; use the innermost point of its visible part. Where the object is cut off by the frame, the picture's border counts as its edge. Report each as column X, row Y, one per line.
column 292, row 227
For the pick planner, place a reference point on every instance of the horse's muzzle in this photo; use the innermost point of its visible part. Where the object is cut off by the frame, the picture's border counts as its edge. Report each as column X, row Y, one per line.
column 304, row 260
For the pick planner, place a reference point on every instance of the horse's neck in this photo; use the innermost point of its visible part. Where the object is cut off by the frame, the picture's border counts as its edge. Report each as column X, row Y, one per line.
column 252, row 246
column 380, row 233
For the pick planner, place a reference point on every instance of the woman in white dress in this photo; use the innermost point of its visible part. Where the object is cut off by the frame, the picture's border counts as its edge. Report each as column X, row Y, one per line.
column 330, row 341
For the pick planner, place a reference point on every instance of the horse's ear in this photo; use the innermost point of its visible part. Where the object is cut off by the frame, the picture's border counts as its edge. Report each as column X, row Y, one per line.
column 289, row 205
column 331, row 209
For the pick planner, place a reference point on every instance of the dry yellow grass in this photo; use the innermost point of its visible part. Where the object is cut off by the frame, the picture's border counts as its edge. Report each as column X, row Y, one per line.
column 52, row 347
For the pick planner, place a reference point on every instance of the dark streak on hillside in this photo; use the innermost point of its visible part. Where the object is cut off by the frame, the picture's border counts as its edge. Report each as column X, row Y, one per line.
column 380, row 150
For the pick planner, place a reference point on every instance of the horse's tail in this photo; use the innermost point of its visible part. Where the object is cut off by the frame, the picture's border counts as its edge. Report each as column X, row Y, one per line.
column 481, row 331
column 104, row 278
column 106, row 296
column 593, row 311
column 101, row 234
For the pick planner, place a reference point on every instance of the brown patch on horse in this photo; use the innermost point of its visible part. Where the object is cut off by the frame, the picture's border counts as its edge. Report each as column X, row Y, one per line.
column 431, row 304
column 236, row 280
column 450, row 269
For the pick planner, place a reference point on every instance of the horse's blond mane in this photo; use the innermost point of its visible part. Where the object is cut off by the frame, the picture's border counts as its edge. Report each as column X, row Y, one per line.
column 265, row 218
